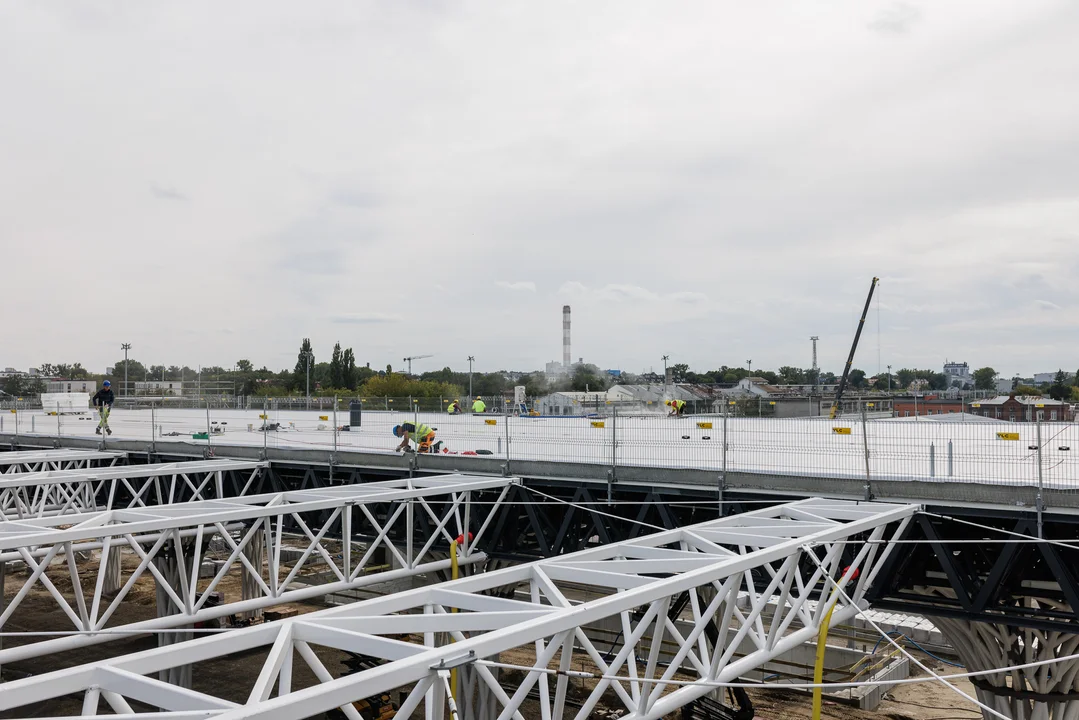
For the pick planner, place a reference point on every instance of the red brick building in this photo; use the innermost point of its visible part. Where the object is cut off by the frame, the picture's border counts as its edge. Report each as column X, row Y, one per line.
column 1023, row 408
column 931, row 405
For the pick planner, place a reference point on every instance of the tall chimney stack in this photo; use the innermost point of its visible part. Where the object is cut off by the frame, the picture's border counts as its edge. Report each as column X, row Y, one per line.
column 566, row 359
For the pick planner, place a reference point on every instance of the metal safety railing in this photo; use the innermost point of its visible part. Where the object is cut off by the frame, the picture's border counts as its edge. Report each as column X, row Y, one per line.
column 961, row 449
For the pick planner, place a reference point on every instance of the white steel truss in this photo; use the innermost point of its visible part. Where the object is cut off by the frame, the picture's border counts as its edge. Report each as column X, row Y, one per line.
column 66, row 492
column 172, row 542
column 22, row 461
column 675, row 595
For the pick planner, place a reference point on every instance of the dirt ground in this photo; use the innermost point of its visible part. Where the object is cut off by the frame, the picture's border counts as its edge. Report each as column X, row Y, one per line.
column 921, row 701
column 231, row 677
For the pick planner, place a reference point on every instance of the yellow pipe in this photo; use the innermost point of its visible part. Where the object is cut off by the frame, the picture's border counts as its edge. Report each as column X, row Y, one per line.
column 454, row 574
column 818, row 669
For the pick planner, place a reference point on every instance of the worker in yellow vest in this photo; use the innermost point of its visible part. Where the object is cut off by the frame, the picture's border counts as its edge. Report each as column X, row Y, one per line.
column 454, row 408
column 422, row 435
column 677, row 407
column 479, row 406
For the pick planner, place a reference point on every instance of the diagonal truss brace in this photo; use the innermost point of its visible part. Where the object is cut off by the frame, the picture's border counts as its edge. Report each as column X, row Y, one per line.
column 259, row 548
column 51, row 493
column 717, row 639
column 28, row 461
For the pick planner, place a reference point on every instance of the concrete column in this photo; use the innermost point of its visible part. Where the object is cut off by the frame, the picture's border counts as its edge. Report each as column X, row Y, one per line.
column 1031, row 694
column 255, row 552
column 169, row 569
column 111, row 567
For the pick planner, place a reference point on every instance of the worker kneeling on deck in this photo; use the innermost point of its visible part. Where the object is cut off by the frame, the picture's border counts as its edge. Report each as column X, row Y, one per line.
column 454, row 408
column 678, row 407
column 423, row 436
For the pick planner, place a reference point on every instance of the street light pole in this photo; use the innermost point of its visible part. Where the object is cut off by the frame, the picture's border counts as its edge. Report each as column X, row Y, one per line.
column 125, row 347
column 471, row 359
column 889, row 378
column 665, row 359
column 750, row 364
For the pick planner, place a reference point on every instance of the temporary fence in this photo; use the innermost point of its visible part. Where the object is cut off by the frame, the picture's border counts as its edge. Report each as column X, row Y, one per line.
column 967, row 449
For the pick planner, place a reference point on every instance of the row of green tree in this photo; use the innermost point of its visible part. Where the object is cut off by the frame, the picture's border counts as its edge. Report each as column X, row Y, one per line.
column 341, row 375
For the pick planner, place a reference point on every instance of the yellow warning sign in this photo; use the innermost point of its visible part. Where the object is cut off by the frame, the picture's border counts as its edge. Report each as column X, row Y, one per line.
column 704, row 425
column 264, row 417
column 869, row 405
column 1008, row 436
column 597, row 423
column 841, row 430
column 490, row 421
column 323, row 417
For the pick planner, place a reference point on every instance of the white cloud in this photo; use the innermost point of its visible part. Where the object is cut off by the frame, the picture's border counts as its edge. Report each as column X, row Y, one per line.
column 523, row 285
column 365, row 319
column 715, row 181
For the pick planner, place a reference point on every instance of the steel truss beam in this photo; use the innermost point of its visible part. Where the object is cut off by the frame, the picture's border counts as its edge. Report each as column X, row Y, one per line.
column 68, row 492
column 632, row 584
column 252, row 528
column 949, row 572
column 24, row 461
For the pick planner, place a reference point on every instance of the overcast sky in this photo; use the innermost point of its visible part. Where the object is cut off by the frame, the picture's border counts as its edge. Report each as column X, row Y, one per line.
column 715, row 181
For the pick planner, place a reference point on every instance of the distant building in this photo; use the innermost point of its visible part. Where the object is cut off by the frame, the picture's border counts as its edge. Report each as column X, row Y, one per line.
column 916, row 407
column 1050, row 377
column 1023, row 408
column 958, row 375
column 556, row 369
column 571, row 403
column 1003, row 385
column 71, row 386
column 760, row 387
column 159, row 388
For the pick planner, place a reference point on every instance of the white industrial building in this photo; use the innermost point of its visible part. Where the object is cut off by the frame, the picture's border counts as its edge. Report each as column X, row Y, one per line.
column 71, row 386
column 958, row 374
column 162, row 388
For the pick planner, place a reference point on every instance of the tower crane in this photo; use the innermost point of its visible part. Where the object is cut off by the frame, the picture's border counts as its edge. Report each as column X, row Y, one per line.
column 414, row 357
column 837, row 404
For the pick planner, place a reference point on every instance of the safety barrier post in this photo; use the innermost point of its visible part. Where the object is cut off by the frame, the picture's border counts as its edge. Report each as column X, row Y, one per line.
column 153, row 428
column 265, row 426
column 951, row 459
column 209, row 447
column 865, row 447
column 614, row 455
column 1040, row 503
column 58, row 433
column 506, row 422
column 932, row 460
column 723, row 474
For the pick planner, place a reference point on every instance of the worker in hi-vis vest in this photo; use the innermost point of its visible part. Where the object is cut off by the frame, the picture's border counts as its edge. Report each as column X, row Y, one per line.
column 479, row 406
column 423, row 436
column 454, row 408
column 677, row 407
